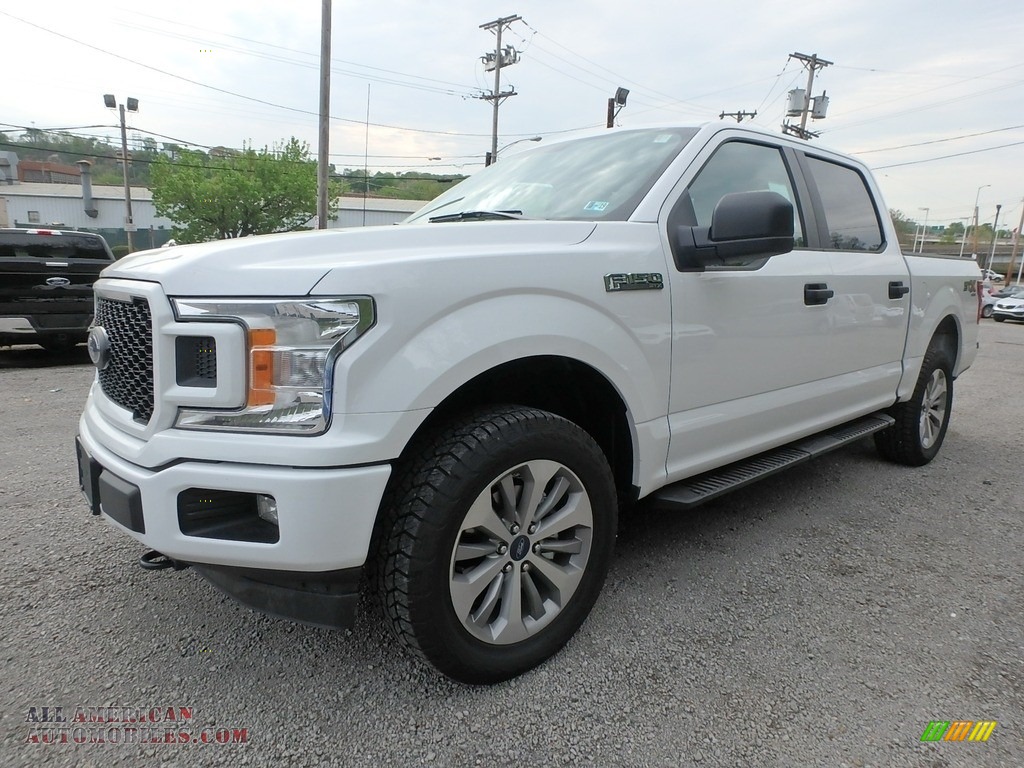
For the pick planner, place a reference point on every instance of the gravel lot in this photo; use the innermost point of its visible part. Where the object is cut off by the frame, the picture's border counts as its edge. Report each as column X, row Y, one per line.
column 820, row 618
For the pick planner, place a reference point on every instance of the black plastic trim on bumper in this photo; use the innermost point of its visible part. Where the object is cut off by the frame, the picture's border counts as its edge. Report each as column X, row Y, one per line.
column 324, row 599
column 106, row 492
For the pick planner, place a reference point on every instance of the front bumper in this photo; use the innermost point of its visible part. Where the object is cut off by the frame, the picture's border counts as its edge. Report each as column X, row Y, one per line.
column 325, row 515
column 1007, row 315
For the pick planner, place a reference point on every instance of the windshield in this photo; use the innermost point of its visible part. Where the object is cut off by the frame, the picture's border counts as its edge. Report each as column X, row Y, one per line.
column 596, row 178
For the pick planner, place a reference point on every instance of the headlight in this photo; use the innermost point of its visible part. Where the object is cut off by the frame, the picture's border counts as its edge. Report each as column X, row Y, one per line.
column 291, row 345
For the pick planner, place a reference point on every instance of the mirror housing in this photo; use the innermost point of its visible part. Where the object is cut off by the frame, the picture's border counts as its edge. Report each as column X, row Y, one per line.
column 745, row 227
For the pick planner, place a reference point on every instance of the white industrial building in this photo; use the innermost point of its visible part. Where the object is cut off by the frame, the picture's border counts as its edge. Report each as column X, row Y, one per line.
column 33, row 204
column 372, row 211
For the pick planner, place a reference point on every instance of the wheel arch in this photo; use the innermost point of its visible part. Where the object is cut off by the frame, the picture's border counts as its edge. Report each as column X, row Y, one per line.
column 946, row 334
column 560, row 385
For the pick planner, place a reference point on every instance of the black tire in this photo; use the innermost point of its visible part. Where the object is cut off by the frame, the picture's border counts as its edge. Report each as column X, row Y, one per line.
column 999, row 319
column 921, row 422
column 986, row 311
column 462, row 584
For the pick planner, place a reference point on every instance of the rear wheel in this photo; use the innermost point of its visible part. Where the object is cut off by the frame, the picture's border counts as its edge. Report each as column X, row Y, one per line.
column 986, row 311
column 921, row 422
column 499, row 538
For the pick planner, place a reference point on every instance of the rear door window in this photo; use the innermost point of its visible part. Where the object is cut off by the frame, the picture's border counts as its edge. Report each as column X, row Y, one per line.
column 849, row 211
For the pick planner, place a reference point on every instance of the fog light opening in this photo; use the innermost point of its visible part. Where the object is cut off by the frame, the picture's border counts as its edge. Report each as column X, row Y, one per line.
column 266, row 508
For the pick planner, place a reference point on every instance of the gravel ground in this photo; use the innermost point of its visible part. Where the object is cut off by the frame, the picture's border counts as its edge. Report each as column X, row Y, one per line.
column 820, row 618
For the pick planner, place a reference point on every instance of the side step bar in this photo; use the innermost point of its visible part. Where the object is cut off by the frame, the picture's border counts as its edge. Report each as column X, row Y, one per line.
column 693, row 491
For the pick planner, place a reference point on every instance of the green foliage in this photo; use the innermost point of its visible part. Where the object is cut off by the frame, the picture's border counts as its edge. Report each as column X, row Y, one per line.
column 234, row 194
column 405, row 186
column 904, row 225
column 120, row 251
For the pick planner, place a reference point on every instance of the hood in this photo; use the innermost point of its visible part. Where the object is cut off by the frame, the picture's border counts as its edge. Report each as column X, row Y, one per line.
column 291, row 264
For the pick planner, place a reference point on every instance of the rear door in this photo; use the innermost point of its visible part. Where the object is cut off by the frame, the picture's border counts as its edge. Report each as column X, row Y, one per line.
column 870, row 280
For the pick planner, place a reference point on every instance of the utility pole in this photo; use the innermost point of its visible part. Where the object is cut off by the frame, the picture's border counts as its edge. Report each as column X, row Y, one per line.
column 322, row 167
column 813, row 64
column 1016, row 243
column 502, row 57
column 738, row 116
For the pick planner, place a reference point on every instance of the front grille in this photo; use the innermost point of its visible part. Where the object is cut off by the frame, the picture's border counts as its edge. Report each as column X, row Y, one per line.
column 128, row 378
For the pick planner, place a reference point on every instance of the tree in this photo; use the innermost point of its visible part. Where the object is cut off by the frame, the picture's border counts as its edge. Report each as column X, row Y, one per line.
column 237, row 194
column 905, row 228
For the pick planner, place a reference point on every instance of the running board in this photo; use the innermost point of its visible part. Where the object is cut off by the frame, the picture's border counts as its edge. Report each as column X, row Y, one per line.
column 710, row 485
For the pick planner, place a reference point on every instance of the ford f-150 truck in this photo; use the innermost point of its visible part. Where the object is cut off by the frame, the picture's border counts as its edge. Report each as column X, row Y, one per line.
column 46, row 278
column 454, row 411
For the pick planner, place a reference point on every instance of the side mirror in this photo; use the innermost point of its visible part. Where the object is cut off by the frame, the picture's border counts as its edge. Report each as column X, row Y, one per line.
column 745, row 227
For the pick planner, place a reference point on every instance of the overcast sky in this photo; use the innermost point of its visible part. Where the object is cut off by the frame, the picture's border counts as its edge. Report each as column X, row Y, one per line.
column 912, row 83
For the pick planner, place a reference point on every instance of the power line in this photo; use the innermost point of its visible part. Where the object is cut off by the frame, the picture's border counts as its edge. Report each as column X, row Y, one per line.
column 938, row 141
column 232, row 93
column 944, row 102
column 290, row 50
column 946, row 157
column 136, row 129
column 179, row 164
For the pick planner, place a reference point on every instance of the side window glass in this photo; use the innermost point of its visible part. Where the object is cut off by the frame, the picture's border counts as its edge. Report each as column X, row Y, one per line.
column 849, row 212
column 736, row 166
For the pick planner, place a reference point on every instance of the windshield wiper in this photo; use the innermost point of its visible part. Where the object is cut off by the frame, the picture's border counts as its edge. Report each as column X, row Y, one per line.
column 475, row 215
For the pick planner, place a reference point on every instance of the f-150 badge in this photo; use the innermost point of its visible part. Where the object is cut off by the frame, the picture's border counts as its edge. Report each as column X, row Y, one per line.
column 634, row 281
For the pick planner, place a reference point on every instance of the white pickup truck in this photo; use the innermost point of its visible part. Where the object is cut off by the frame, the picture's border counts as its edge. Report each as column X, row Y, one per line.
column 456, row 410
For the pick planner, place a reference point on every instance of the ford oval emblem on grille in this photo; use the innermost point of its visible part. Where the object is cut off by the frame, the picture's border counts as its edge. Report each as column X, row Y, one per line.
column 99, row 347
column 58, row 282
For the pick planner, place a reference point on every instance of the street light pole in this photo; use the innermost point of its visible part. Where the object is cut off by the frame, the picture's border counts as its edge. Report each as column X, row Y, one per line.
column 995, row 236
column 513, row 143
column 977, row 196
column 924, row 230
column 963, row 237
column 129, row 223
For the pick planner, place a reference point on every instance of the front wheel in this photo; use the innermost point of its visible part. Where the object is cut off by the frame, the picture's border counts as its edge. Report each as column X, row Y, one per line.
column 921, row 422
column 986, row 311
column 999, row 319
column 498, row 541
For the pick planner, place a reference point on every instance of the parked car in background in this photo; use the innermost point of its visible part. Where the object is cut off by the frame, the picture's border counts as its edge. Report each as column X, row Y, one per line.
column 46, row 278
column 1006, row 291
column 988, row 301
column 1009, row 308
column 991, row 274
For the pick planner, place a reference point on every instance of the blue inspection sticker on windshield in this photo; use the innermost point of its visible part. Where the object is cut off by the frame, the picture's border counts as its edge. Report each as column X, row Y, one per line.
column 595, row 205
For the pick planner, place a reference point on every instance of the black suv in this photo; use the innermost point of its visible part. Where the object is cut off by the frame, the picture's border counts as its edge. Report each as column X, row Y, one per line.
column 46, row 278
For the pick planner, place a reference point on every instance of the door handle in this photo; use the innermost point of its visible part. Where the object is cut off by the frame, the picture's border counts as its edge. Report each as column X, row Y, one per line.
column 817, row 293
column 897, row 290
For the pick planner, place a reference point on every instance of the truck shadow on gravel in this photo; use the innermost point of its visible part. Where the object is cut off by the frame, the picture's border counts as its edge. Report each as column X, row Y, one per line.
column 36, row 357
